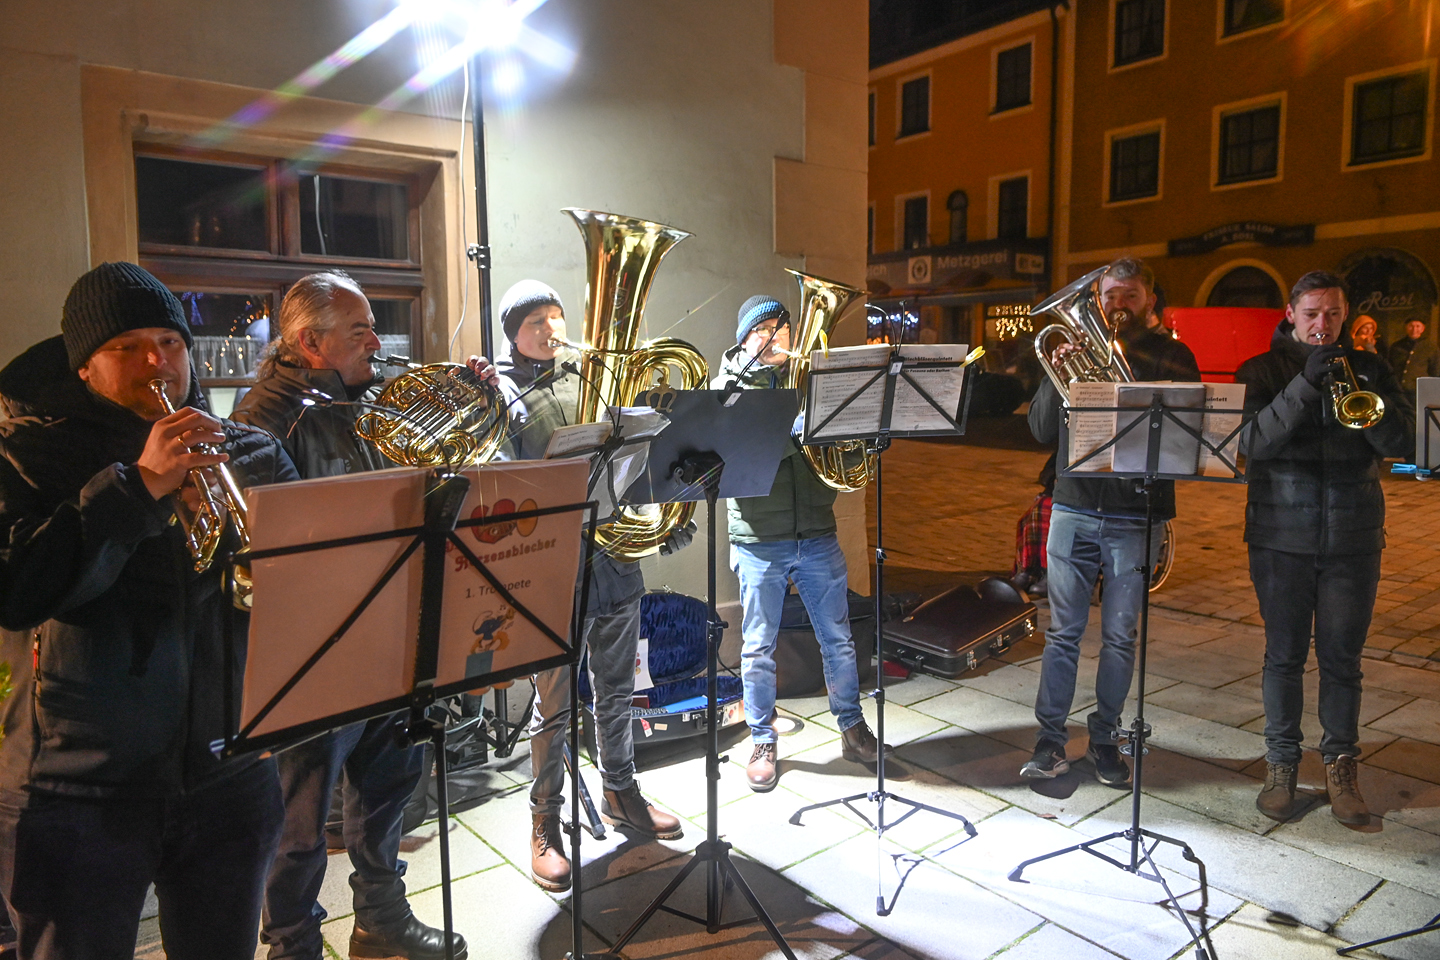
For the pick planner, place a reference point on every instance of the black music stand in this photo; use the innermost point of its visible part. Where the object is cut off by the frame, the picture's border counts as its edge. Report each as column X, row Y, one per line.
column 882, row 383
column 1150, row 423
column 444, row 495
column 710, row 429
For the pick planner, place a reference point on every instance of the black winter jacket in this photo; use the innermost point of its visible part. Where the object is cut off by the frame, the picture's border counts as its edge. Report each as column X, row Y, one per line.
column 321, row 441
column 534, row 417
column 1152, row 357
column 1314, row 484
column 115, row 640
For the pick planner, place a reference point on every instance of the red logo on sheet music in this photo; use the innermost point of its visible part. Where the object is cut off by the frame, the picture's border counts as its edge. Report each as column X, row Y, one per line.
column 496, row 532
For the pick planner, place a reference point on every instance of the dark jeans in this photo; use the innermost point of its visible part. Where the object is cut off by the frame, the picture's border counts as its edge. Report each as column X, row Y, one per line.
column 380, row 776
column 1336, row 597
column 74, row 871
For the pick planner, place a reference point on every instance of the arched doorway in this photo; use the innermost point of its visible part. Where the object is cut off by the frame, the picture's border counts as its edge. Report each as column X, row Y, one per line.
column 1246, row 286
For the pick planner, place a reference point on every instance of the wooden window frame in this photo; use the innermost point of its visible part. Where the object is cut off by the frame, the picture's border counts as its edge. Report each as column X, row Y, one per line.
column 995, row 53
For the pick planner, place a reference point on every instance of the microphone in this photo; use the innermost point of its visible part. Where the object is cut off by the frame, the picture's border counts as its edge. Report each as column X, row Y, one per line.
column 569, row 366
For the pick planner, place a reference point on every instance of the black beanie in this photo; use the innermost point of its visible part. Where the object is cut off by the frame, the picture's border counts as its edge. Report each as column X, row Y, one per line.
column 112, row 299
column 520, row 300
column 755, row 310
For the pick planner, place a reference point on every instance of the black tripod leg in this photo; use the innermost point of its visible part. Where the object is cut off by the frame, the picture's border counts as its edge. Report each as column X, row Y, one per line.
column 734, row 874
column 442, row 800
column 1431, row 927
column 659, row 902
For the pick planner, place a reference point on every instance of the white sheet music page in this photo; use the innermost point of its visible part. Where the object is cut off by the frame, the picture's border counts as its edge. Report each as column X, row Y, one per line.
column 1427, row 394
column 912, row 413
column 862, row 415
column 1218, row 426
column 1090, row 431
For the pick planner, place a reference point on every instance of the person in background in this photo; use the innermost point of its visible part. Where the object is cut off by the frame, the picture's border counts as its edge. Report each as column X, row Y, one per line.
column 1364, row 332
column 1414, row 356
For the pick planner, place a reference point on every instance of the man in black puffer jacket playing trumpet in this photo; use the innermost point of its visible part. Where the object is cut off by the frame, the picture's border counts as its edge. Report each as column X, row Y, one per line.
column 1315, row 524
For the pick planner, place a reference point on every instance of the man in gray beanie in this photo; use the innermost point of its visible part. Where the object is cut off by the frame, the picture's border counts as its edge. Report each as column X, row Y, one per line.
column 789, row 535
column 543, row 397
column 115, row 644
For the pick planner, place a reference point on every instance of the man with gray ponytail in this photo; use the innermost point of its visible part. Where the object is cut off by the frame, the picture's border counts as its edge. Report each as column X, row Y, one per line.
column 327, row 343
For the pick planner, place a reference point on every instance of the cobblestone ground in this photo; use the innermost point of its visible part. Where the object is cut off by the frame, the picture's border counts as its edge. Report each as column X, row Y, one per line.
column 952, row 508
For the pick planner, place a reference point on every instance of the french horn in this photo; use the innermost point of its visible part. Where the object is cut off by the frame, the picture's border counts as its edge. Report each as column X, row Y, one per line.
column 436, row 414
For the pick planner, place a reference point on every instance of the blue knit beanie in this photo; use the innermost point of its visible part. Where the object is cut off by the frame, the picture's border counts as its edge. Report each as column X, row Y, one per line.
column 756, row 310
column 520, row 300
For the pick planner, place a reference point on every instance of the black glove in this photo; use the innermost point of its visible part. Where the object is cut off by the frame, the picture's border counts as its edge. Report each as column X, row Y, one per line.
column 678, row 540
column 1321, row 363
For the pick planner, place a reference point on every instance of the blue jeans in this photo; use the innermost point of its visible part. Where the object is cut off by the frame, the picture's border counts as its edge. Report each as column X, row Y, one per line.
column 817, row 568
column 74, row 870
column 1080, row 547
column 380, row 776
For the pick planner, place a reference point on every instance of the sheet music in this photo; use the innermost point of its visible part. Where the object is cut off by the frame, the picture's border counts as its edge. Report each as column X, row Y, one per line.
column 827, row 393
column 1222, row 396
column 637, row 425
column 578, row 436
column 1427, row 394
column 912, row 412
column 1179, row 451
column 1088, row 432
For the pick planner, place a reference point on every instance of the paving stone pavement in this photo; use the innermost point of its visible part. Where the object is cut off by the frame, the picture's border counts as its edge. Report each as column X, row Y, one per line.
column 1276, row 892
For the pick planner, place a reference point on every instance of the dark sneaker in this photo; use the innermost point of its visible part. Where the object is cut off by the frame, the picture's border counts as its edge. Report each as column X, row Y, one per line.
column 1110, row 768
column 1345, row 801
column 1277, row 797
column 1047, row 763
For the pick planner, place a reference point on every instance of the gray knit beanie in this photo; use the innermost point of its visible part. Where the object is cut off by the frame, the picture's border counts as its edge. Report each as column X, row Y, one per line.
column 112, row 299
column 520, row 300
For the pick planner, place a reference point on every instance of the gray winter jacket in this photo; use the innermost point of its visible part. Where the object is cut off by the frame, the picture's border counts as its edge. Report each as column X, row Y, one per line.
column 534, row 416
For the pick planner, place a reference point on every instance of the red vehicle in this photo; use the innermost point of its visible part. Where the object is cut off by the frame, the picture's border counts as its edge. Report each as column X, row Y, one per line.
column 1222, row 338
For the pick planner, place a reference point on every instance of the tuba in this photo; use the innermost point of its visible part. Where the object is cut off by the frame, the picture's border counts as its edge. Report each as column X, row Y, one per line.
column 435, row 414
column 1082, row 322
column 621, row 257
column 821, row 304
column 204, row 530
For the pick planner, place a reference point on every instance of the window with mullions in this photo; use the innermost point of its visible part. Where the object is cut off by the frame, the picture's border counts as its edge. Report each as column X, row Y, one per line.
column 1013, row 222
column 1012, row 78
column 1243, row 15
column 1139, row 30
column 229, row 233
column 1388, row 120
column 1135, row 166
column 1250, row 145
column 915, row 106
column 917, row 223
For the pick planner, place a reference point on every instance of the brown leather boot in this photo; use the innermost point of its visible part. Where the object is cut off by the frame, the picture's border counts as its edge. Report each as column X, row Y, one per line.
column 1345, row 801
column 629, row 808
column 1277, row 797
column 548, row 865
column 858, row 744
column 763, row 770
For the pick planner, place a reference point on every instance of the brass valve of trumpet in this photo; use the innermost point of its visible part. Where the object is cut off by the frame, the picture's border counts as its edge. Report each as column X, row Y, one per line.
column 1353, row 407
column 205, row 528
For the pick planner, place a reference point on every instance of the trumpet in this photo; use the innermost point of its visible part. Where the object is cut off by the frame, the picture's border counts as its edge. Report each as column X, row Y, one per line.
column 204, row 530
column 1353, row 407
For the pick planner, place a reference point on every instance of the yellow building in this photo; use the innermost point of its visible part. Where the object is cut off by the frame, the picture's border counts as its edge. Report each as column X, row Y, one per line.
column 960, row 133
column 1236, row 144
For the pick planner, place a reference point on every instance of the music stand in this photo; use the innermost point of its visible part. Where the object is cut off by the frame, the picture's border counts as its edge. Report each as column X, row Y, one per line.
column 1150, row 423
column 861, row 401
column 710, row 429
column 406, row 600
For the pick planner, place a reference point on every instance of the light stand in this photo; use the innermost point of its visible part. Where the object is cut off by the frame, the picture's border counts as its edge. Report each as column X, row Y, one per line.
column 1141, row 854
column 479, row 251
column 705, row 468
column 879, row 795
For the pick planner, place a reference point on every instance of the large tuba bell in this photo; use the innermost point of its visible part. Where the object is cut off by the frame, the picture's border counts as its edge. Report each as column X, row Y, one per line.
column 1082, row 322
column 621, row 257
column 821, row 304
column 435, row 414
